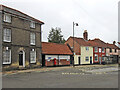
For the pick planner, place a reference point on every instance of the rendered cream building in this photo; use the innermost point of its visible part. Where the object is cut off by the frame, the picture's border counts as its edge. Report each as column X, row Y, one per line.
column 82, row 49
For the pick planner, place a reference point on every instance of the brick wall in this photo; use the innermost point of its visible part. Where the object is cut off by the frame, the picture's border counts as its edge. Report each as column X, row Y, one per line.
column 77, row 49
column 60, row 60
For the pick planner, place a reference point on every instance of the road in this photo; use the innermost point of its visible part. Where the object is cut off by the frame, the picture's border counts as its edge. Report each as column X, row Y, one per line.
column 76, row 77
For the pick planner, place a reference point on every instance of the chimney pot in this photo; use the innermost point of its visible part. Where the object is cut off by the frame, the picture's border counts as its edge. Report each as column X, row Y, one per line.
column 85, row 35
column 114, row 42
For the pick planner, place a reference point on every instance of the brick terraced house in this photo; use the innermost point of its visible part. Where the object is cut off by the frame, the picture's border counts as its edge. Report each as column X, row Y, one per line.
column 102, row 49
column 91, row 51
column 112, row 51
column 83, row 51
column 20, row 39
column 55, row 54
column 99, row 50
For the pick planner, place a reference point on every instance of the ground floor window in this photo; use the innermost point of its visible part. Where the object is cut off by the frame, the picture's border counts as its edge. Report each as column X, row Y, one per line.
column 96, row 57
column 87, row 58
column 7, row 56
column 32, row 56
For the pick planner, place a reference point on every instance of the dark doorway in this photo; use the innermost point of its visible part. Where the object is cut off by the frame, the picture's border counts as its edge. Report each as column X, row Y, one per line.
column 21, row 58
column 79, row 60
column 43, row 60
column 71, row 59
column 90, row 60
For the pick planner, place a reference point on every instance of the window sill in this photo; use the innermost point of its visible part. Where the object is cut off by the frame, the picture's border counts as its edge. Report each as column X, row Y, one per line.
column 32, row 27
column 8, row 63
column 6, row 41
column 33, row 62
column 7, row 22
column 32, row 44
column 96, row 61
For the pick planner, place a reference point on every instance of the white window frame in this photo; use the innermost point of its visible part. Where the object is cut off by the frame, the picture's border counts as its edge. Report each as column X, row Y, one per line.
column 97, row 57
column 9, row 58
column 86, row 58
column 87, row 48
column 100, row 50
column 32, row 38
column 33, row 61
column 32, row 24
column 6, row 35
column 103, row 49
column 96, row 48
column 7, row 18
column 102, row 57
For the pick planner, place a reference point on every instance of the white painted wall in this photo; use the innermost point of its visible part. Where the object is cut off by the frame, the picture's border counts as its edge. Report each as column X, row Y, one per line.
column 76, row 61
column 47, row 57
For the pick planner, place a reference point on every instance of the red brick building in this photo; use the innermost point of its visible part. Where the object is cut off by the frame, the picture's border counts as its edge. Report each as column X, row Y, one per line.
column 55, row 54
column 99, row 50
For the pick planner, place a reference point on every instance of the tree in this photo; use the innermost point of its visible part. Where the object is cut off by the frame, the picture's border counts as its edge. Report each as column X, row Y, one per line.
column 55, row 36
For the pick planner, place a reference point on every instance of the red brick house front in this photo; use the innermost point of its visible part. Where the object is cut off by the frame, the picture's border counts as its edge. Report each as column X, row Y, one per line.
column 55, row 54
column 99, row 50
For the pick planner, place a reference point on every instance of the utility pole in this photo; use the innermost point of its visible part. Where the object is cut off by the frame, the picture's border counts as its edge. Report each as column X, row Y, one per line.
column 76, row 24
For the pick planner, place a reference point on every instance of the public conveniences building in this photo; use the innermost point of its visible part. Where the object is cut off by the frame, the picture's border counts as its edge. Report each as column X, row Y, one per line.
column 83, row 51
column 55, row 54
column 20, row 39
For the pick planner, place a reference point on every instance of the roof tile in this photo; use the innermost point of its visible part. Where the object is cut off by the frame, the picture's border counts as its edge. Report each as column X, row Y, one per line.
column 54, row 48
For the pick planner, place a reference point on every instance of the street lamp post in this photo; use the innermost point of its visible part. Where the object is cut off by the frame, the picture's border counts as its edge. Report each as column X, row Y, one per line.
column 74, row 24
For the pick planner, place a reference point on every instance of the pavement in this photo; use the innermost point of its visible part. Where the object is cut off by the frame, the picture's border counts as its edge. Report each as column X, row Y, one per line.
column 84, row 76
column 87, row 68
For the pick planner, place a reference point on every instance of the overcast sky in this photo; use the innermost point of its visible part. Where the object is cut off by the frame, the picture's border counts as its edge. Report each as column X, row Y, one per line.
column 99, row 17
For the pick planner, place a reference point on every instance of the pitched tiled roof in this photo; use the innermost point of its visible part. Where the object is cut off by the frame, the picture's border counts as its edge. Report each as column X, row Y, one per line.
column 112, row 46
column 2, row 8
column 97, row 43
column 81, row 41
column 55, row 49
column 94, row 43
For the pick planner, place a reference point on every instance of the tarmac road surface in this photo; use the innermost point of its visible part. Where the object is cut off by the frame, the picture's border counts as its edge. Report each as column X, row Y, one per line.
column 77, row 77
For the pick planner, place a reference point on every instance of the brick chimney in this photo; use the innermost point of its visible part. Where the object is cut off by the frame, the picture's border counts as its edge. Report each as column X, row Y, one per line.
column 114, row 42
column 85, row 35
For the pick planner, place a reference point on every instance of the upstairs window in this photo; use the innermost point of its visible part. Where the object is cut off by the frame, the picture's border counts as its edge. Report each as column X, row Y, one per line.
column 115, row 50
column 96, row 49
column 7, row 35
column 100, row 50
column 32, row 38
column 32, row 24
column 32, row 56
column 103, row 50
column 87, row 48
column 7, row 56
column 7, row 18
column 110, row 50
